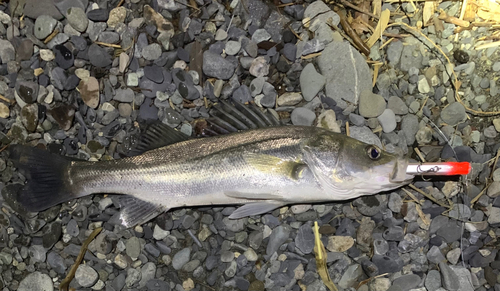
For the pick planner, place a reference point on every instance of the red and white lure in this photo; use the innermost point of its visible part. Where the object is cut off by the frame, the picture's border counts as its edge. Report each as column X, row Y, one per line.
column 439, row 169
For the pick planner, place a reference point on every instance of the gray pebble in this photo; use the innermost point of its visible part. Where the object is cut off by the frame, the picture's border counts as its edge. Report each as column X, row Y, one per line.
column 72, row 228
column 77, row 18
column 86, row 276
column 133, row 277
column 151, row 52
column 98, row 56
column 124, row 95
column 56, row 262
column 453, row 114
column 232, row 47
column 260, row 35
column 36, row 281
column 214, row 65
column 435, row 256
column 181, row 258
column 405, row 283
column 302, row 116
column 397, row 105
column 133, row 247
column 37, row 253
column 409, row 126
column 304, row 240
column 278, row 236
column 148, row 272
column 311, row 82
column 433, row 280
column 370, row 104
column 44, row 26
column 449, row 278
column 387, row 120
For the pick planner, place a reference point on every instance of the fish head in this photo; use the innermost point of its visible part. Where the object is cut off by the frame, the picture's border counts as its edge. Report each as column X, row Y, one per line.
column 348, row 168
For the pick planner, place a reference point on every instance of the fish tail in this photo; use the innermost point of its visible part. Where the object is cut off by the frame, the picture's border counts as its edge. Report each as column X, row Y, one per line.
column 47, row 178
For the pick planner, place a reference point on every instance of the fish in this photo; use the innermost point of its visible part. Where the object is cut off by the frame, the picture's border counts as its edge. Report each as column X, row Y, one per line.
column 261, row 168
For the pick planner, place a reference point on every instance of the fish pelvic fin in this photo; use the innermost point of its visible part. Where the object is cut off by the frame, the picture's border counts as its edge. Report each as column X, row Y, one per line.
column 47, row 179
column 135, row 211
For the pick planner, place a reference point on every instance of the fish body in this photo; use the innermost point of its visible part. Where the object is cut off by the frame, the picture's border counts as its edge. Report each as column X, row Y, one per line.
column 261, row 168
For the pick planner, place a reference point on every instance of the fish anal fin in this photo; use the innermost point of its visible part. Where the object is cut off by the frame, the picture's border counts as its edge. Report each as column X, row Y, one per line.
column 274, row 165
column 158, row 135
column 135, row 211
column 255, row 208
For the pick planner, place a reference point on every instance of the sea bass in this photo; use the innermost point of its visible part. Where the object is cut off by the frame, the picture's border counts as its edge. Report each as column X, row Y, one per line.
column 263, row 169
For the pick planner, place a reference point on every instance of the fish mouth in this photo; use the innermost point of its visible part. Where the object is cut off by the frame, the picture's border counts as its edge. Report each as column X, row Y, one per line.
column 399, row 174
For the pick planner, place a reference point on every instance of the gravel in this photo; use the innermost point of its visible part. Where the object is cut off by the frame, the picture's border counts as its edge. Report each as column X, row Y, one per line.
column 83, row 79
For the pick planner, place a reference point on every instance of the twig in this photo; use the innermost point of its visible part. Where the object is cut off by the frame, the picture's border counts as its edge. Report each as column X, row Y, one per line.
column 495, row 164
column 359, row 43
column 488, row 45
column 71, row 274
column 475, row 199
column 120, row 3
column 347, row 130
column 108, row 44
column 412, row 196
column 419, row 154
column 51, row 36
column 7, row 100
column 352, row 6
column 429, row 196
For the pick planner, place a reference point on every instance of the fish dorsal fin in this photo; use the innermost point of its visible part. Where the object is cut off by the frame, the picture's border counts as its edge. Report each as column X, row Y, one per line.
column 228, row 117
column 274, row 165
column 158, row 135
column 135, row 211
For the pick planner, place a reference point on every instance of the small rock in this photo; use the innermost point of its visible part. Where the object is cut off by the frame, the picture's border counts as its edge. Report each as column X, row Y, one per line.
column 449, row 278
column 453, row 114
column 214, row 65
column 117, row 15
column 370, row 104
column 387, row 120
column 36, row 281
column 259, row 67
column 77, row 18
column 311, row 82
column 339, row 243
column 302, row 116
column 328, row 120
column 289, row 99
column 278, row 236
column 98, row 56
column 304, row 240
column 89, row 91
column 44, row 26
column 86, row 276
column 181, row 258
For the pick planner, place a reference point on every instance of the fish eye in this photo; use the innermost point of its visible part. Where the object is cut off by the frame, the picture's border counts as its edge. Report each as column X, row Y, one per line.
column 373, row 152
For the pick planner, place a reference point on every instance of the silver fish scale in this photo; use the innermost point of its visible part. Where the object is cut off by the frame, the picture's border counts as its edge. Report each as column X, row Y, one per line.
column 200, row 171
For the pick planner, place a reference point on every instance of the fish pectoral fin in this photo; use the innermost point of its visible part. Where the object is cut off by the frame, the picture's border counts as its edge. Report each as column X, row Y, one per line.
column 135, row 211
column 254, row 196
column 255, row 208
column 274, row 165
column 158, row 135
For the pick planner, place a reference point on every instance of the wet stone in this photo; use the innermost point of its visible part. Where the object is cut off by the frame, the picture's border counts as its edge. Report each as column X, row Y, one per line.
column 64, row 57
column 98, row 15
column 154, row 73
